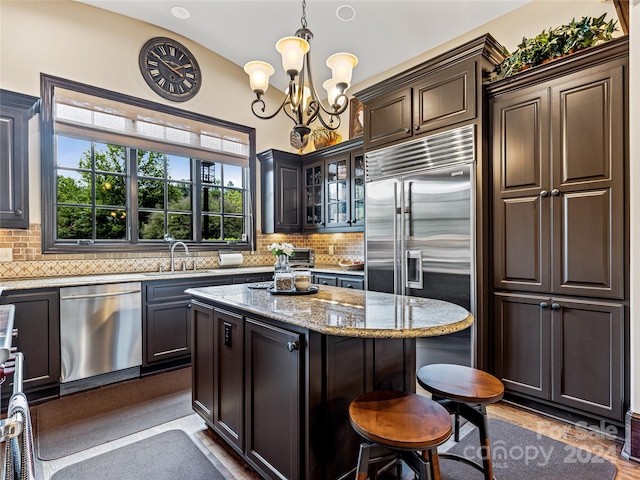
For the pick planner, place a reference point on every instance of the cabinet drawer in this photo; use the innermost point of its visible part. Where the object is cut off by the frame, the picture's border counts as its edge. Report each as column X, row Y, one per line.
column 258, row 277
column 331, row 280
column 170, row 290
column 355, row 283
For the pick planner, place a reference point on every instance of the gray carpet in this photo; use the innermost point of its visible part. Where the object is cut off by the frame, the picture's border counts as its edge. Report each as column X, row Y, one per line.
column 169, row 455
column 520, row 454
column 83, row 420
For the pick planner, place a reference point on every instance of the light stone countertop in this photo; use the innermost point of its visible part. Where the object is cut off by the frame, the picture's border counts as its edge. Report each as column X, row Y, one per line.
column 345, row 312
column 77, row 280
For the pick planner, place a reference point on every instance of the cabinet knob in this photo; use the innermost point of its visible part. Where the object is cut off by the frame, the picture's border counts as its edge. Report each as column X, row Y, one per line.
column 189, row 306
column 544, row 305
column 291, row 346
column 544, row 193
column 407, row 130
column 349, row 285
column 416, row 127
column 324, row 282
column 555, row 192
column 555, row 306
column 17, row 213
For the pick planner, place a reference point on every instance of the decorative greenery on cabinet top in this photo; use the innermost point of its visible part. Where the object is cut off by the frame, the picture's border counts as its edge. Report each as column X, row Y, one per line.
column 555, row 43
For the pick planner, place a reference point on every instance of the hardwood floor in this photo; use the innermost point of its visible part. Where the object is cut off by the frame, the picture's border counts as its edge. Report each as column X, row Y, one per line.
column 220, row 454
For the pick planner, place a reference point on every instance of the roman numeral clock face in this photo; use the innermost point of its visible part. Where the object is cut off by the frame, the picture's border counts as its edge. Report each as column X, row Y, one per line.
column 170, row 69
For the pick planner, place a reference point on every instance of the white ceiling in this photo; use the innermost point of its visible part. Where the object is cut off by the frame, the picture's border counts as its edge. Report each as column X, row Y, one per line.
column 383, row 34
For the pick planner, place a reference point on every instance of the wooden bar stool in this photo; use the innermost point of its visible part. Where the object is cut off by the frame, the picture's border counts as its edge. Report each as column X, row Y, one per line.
column 398, row 426
column 465, row 392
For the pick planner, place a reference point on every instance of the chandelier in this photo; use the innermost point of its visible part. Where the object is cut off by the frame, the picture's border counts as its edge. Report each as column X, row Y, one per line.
column 301, row 102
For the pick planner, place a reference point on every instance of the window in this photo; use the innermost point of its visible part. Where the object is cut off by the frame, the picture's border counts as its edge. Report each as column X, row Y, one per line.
column 119, row 173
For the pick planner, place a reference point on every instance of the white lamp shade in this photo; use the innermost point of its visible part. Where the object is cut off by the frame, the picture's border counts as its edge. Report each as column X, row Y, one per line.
column 259, row 73
column 332, row 91
column 341, row 65
column 293, row 50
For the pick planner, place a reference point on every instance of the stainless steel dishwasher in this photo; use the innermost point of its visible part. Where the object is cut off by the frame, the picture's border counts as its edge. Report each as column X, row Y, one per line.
column 100, row 333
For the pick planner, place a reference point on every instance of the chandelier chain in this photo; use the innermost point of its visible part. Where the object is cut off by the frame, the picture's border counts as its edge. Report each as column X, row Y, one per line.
column 303, row 20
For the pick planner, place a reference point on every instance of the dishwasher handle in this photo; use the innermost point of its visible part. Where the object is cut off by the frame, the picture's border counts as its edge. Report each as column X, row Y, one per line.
column 97, row 295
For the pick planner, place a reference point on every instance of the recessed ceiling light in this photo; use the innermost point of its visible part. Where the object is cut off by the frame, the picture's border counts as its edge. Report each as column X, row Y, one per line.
column 180, row 12
column 346, row 13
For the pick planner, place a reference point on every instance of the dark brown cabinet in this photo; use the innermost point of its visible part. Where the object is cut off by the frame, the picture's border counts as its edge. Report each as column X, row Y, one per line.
column 15, row 111
column 558, row 186
column 313, row 190
column 346, row 281
column 247, row 385
column 281, row 197
column 228, row 386
column 334, row 188
column 560, row 251
column 202, row 360
column 274, row 392
column 436, row 99
column 37, row 319
column 320, row 192
column 166, row 320
column 562, row 349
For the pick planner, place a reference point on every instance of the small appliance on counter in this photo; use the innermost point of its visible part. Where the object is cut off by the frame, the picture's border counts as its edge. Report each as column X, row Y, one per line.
column 303, row 257
column 229, row 258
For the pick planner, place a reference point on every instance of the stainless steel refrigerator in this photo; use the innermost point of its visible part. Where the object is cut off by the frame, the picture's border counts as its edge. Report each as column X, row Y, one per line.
column 419, row 235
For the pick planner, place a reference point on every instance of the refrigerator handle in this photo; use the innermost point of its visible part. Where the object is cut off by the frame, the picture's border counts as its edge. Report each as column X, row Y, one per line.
column 395, row 236
column 414, row 269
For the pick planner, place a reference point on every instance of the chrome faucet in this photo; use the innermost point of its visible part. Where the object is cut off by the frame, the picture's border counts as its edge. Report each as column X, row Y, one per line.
column 173, row 247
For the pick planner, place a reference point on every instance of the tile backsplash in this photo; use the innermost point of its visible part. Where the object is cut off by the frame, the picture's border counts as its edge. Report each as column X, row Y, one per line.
column 29, row 261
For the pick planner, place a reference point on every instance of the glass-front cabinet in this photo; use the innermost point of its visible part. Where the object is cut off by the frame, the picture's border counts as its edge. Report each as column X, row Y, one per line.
column 338, row 214
column 334, row 189
column 314, row 196
column 357, row 189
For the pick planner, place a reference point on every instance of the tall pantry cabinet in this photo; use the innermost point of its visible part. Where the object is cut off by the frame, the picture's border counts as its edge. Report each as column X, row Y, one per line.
column 560, row 230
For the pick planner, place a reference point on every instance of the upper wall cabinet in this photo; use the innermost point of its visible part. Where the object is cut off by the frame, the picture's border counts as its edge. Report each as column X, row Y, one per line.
column 437, row 94
column 15, row 111
column 281, row 201
column 320, row 192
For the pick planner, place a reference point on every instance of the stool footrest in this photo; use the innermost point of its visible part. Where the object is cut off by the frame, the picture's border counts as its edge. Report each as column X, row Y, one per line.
column 460, row 458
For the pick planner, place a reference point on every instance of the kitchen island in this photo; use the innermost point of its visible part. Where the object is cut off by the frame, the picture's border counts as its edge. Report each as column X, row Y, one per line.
column 273, row 375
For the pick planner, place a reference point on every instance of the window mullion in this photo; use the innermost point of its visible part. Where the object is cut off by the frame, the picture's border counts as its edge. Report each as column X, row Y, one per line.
column 132, row 196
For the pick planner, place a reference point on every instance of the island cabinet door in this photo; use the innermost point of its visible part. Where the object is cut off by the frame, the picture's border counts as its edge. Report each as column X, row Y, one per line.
column 202, row 360
column 273, row 388
column 228, row 387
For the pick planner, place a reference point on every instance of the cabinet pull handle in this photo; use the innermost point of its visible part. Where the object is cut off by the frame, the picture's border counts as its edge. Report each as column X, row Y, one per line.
column 555, row 306
column 544, row 305
column 291, row 346
column 555, row 192
column 544, row 193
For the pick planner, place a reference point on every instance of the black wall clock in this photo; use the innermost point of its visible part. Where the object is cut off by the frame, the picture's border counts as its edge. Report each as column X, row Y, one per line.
column 170, row 69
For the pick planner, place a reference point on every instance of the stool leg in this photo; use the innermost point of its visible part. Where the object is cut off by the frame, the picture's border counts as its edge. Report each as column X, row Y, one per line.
column 362, row 469
column 431, row 456
column 456, row 417
column 485, row 446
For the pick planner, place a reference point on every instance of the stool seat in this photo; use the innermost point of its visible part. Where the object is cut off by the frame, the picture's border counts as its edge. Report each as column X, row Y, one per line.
column 400, row 420
column 460, row 383
column 401, row 427
column 465, row 391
